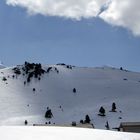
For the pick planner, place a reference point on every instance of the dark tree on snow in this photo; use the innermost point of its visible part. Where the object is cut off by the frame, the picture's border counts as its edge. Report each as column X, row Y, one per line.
column 24, row 82
column 113, row 107
column 48, row 113
column 87, row 119
column 102, row 111
column 33, row 89
column 74, row 90
column 81, row 121
column 121, row 68
column 25, row 122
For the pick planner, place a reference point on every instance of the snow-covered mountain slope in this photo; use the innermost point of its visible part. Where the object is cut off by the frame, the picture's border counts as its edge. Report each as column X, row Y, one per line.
column 62, row 133
column 95, row 87
column 2, row 66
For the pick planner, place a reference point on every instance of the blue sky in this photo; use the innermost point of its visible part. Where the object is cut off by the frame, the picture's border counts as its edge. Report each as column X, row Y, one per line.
column 53, row 39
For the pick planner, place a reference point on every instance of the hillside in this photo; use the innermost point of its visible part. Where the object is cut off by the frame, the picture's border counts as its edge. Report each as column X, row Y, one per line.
column 2, row 66
column 25, row 97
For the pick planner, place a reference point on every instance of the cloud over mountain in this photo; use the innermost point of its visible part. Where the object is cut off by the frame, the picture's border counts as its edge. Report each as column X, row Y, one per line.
column 123, row 13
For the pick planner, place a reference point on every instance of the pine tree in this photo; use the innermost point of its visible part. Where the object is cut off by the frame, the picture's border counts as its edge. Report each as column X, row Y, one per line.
column 102, row 111
column 48, row 113
column 113, row 107
column 26, row 122
column 74, row 90
column 87, row 119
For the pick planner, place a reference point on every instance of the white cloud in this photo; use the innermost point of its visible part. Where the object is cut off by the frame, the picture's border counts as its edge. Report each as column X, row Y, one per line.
column 75, row 9
column 124, row 13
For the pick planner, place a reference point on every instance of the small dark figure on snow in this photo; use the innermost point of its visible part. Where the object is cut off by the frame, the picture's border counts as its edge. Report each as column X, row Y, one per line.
column 101, row 111
column 107, row 125
column 121, row 68
column 113, row 107
column 26, row 122
column 74, row 90
column 87, row 119
column 81, row 121
column 24, row 83
column 13, row 76
column 48, row 113
column 33, row 89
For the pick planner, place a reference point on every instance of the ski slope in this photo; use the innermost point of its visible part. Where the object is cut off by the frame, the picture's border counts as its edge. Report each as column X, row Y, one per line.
column 62, row 133
column 95, row 87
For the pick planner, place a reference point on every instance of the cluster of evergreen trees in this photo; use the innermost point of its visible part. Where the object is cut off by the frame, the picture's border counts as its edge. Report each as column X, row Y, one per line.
column 30, row 69
column 33, row 70
column 16, row 70
column 87, row 120
column 67, row 66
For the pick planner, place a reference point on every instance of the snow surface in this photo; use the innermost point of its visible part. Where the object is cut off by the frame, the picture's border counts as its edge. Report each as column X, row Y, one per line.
column 62, row 133
column 2, row 66
column 95, row 87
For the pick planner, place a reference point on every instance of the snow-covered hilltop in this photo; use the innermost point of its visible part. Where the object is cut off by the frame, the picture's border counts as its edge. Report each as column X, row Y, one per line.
column 26, row 91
